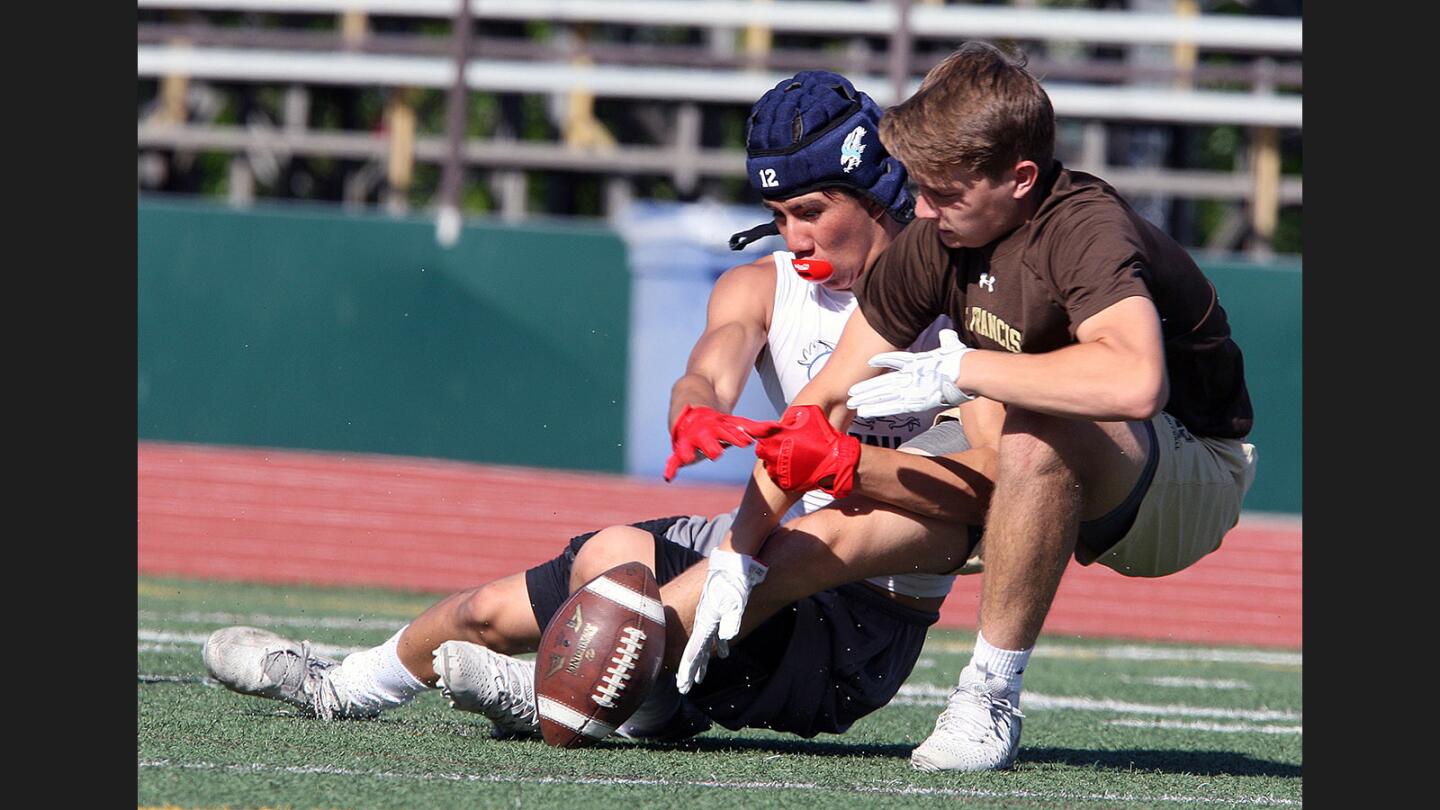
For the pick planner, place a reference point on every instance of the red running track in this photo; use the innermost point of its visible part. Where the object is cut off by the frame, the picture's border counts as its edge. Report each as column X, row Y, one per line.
column 319, row 518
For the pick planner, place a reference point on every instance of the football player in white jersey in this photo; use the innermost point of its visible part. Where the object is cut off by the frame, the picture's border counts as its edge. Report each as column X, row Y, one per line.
column 876, row 566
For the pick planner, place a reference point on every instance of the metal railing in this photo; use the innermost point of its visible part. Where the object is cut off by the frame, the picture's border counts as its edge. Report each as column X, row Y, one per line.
column 1180, row 92
column 1249, row 34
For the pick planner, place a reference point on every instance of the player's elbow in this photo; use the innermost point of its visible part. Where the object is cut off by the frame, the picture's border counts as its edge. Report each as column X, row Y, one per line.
column 1144, row 395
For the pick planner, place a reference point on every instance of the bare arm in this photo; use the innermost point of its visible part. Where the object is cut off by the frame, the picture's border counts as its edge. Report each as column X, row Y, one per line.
column 954, row 488
column 736, row 322
column 1115, row 373
column 764, row 503
column 848, row 364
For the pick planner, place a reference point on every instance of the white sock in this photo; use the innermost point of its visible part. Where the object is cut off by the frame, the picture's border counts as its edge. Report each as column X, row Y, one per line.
column 375, row 678
column 1007, row 664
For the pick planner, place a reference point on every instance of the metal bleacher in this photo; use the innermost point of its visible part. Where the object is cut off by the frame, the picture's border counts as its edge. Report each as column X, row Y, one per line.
column 1164, row 65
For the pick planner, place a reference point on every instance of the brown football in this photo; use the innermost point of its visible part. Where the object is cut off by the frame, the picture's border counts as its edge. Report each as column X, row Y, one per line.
column 599, row 656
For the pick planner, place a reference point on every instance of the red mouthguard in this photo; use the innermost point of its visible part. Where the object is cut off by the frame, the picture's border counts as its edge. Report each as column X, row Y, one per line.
column 812, row 269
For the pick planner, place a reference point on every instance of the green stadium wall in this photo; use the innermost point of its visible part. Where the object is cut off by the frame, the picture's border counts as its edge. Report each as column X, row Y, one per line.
column 309, row 328
column 1264, row 304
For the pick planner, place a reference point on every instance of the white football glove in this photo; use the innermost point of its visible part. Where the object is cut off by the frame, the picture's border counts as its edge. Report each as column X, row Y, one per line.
column 717, row 615
column 920, row 380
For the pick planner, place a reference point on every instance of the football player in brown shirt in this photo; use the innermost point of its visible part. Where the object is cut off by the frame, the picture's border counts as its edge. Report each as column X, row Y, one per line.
column 836, row 198
column 1124, row 401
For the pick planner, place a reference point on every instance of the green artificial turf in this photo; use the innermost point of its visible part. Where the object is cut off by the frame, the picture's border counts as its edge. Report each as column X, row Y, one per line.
column 1108, row 724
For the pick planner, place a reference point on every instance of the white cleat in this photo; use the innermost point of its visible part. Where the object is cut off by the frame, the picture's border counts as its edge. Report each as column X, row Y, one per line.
column 477, row 679
column 978, row 731
column 257, row 662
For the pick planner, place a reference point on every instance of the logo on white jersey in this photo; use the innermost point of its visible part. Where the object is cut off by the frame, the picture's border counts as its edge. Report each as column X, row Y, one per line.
column 988, row 282
column 814, row 356
column 851, row 149
column 899, row 423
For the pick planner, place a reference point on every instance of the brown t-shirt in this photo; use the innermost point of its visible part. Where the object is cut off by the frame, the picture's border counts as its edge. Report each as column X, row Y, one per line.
column 1084, row 250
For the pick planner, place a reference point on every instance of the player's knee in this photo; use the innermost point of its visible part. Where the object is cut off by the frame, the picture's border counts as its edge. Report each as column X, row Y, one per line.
column 485, row 617
column 814, row 543
column 610, row 547
column 1033, row 444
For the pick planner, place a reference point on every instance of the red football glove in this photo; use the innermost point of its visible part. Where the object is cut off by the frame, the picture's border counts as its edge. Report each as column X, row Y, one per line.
column 806, row 449
column 707, row 431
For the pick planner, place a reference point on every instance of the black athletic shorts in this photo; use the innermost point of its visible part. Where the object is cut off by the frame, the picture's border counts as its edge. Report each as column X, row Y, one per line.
column 816, row 666
column 1101, row 534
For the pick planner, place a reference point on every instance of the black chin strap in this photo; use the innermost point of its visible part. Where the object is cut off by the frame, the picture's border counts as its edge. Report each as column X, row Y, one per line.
column 740, row 240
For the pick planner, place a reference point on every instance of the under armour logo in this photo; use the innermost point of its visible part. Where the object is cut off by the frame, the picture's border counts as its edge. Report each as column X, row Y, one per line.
column 988, row 282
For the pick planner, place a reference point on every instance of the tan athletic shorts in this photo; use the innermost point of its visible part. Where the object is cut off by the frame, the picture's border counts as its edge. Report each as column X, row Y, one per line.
column 1192, row 502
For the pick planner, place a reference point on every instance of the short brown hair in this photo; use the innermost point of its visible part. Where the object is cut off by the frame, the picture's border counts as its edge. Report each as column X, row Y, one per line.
column 979, row 110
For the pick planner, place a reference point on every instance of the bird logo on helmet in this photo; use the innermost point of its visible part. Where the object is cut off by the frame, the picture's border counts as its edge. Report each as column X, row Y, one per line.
column 795, row 131
column 852, row 150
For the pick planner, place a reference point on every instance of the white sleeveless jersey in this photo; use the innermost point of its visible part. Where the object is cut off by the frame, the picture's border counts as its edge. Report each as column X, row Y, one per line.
column 804, row 329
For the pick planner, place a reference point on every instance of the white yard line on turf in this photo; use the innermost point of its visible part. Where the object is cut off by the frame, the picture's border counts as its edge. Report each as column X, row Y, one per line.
column 1188, row 683
column 1136, row 652
column 163, row 648
column 177, row 679
column 269, row 620
column 1128, row 652
column 924, row 694
column 893, row 790
column 930, row 695
column 163, row 637
column 1224, row 728
column 909, row 695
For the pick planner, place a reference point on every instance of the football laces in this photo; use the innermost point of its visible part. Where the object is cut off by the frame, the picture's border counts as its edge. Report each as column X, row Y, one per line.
column 610, row 686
